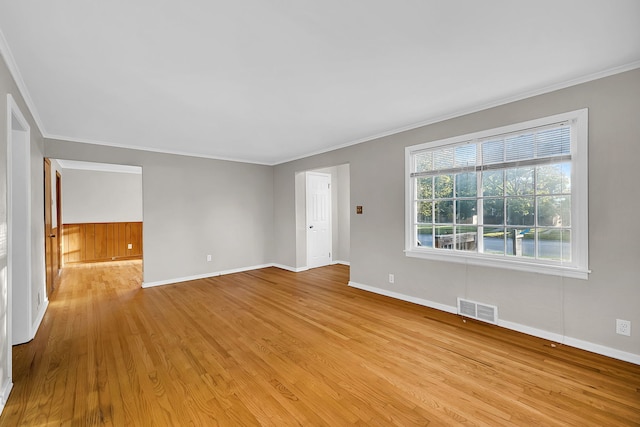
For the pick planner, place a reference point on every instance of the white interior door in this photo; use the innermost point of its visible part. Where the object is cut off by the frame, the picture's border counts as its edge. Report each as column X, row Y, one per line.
column 318, row 219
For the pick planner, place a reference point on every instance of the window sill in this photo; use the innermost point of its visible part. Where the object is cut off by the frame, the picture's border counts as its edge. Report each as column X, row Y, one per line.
column 499, row 262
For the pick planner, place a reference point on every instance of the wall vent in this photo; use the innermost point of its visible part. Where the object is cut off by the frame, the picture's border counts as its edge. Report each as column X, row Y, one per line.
column 479, row 311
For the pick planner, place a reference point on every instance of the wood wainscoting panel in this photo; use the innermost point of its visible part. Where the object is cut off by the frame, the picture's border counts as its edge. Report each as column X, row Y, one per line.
column 100, row 239
column 92, row 242
column 71, row 246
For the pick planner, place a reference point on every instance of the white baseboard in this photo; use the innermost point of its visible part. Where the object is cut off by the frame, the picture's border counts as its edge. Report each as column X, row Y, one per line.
column 203, row 276
column 551, row 336
column 301, row 269
column 223, row 272
column 4, row 394
column 545, row 335
column 36, row 324
column 179, row 280
column 572, row 342
column 33, row 328
column 243, row 269
column 288, row 268
column 603, row 350
column 403, row 297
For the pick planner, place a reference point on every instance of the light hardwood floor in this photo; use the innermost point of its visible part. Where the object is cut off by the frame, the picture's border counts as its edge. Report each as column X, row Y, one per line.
column 270, row 347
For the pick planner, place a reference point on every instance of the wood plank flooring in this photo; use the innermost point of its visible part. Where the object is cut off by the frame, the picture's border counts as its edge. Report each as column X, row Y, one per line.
column 270, row 347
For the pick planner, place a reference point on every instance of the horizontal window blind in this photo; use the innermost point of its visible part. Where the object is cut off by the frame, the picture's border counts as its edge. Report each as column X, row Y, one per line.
column 531, row 147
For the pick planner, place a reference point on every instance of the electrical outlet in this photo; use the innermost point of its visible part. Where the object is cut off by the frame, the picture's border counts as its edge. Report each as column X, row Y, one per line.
column 391, row 278
column 623, row 327
column 130, row 246
column 208, row 258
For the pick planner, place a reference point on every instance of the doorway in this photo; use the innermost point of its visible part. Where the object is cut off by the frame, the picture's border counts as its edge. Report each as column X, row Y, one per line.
column 339, row 223
column 49, row 236
column 99, row 212
column 52, row 229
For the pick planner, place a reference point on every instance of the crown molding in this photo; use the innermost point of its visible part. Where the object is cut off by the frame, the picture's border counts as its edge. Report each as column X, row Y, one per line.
column 5, row 52
column 99, row 167
column 462, row 112
column 154, row 150
column 459, row 113
column 474, row 109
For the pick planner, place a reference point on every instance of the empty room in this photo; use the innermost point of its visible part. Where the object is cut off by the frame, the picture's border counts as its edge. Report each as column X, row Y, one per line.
column 319, row 213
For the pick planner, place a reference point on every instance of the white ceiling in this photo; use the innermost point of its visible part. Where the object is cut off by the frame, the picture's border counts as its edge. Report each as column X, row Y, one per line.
column 270, row 81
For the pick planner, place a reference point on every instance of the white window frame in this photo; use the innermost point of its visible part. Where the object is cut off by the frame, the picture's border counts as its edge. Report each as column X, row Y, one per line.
column 578, row 267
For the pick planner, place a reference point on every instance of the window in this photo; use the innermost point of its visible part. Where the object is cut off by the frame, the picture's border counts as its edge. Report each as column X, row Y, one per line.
column 512, row 197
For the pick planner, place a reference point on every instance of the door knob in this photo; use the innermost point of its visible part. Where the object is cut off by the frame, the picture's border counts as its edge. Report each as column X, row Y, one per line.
column 311, row 226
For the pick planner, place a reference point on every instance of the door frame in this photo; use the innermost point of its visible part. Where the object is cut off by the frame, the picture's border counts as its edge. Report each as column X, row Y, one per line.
column 59, row 219
column 18, row 132
column 48, row 232
column 329, row 216
column 341, row 210
column 19, row 303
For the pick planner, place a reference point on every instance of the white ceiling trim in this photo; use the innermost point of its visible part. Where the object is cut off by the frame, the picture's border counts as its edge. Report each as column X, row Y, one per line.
column 481, row 107
column 153, row 150
column 5, row 52
column 99, row 167
column 453, row 115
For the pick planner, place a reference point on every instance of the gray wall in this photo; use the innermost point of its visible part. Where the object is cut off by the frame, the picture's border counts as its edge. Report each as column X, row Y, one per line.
column 579, row 310
column 193, row 207
column 344, row 213
column 8, row 86
column 99, row 196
